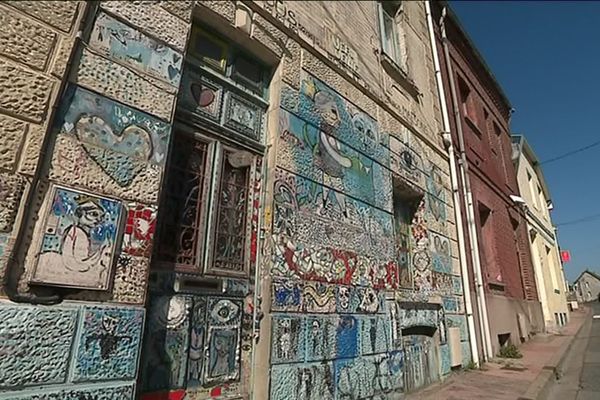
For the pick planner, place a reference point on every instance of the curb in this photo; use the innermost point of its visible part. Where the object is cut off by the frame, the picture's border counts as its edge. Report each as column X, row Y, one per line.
column 551, row 369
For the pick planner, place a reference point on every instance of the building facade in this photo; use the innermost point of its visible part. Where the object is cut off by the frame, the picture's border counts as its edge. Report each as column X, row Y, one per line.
column 501, row 275
column 224, row 199
column 587, row 286
column 549, row 274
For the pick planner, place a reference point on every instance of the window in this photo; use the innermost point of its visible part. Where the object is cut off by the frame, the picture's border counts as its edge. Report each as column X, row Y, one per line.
column 468, row 105
column 488, row 247
column 212, row 51
column 534, row 196
column 551, row 267
column 209, row 49
column 406, row 201
column 392, row 43
column 205, row 176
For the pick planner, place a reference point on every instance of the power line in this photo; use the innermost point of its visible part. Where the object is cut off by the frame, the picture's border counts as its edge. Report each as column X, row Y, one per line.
column 580, row 220
column 570, row 153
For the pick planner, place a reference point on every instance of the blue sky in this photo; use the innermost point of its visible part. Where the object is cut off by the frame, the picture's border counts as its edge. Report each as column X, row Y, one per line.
column 545, row 55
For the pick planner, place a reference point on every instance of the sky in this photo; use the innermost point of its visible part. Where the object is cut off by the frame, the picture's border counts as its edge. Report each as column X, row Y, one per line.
column 546, row 57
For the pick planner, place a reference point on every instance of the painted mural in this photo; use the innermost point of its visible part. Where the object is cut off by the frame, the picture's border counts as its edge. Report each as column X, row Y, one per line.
column 356, row 212
column 122, row 42
column 121, row 140
column 108, row 346
column 122, row 392
column 140, row 225
column 79, row 240
column 27, row 351
column 73, row 345
column 196, row 343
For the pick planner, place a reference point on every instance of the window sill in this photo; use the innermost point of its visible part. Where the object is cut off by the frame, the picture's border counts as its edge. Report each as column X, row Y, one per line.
column 473, row 124
column 497, row 286
column 399, row 75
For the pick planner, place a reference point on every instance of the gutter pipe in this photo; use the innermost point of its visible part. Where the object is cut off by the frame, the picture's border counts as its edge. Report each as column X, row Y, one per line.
column 468, row 199
column 455, row 190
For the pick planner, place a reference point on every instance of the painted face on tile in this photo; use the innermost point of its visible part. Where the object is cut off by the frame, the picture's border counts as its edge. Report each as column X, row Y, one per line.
column 327, row 108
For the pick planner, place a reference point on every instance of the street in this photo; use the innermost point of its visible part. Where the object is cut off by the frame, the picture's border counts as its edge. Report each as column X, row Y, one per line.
column 580, row 375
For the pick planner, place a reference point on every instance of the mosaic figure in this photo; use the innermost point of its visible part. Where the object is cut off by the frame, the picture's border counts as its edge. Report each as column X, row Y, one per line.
column 79, row 240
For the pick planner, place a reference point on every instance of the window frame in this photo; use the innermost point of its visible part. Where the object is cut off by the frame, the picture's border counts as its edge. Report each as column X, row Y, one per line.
column 214, row 205
column 206, row 240
column 227, row 69
column 397, row 53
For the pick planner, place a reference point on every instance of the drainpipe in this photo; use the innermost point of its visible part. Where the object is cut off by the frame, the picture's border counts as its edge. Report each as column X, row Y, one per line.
column 462, row 252
column 468, row 199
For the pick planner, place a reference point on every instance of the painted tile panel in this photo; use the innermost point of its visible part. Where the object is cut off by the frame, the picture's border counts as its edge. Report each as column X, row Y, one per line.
column 35, row 345
column 108, row 345
column 79, row 240
column 116, row 137
column 128, row 45
column 124, row 392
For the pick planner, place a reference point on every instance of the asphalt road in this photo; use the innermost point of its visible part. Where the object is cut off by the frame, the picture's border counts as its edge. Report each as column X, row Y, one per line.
column 580, row 377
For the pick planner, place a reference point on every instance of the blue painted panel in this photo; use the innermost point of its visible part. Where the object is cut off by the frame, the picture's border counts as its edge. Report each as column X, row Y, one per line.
column 323, row 107
column 130, row 46
column 445, row 359
column 115, row 136
column 35, row 344
column 324, row 158
column 319, row 337
column 108, row 345
column 123, row 392
column 312, row 381
column 287, row 344
column 347, row 337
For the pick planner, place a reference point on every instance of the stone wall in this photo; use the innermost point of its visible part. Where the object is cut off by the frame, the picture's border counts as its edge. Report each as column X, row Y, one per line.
column 350, row 149
column 89, row 231
column 341, row 292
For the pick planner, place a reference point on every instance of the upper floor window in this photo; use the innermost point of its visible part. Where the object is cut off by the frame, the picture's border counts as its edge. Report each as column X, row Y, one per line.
column 224, row 89
column 468, row 103
column 214, row 52
column 406, row 201
column 392, row 40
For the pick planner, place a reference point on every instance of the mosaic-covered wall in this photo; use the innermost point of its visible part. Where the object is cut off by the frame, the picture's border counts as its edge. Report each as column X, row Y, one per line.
column 360, row 305
column 357, row 257
column 90, row 227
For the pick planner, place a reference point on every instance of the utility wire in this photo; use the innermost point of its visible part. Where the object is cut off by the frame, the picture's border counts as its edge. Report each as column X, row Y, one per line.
column 570, row 153
column 580, row 220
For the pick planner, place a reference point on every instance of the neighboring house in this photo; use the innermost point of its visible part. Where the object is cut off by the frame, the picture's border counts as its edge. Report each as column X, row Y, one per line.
column 587, row 286
column 550, row 278
column 172, row 171
column 501, row 273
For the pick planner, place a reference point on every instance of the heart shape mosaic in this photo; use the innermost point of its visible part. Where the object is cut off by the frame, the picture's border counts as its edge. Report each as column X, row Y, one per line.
column 122, row 156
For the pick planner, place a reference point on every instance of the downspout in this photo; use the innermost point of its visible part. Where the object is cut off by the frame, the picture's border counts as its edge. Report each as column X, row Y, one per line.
column 462, row 252
column 468, row 198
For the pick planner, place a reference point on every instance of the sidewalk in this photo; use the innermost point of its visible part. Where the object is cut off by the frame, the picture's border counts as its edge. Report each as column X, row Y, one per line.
column 495, row 382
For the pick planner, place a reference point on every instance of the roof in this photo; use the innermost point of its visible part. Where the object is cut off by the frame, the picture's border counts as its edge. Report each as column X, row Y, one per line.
column 473, row 48
column 595, row 275
column 523, row 147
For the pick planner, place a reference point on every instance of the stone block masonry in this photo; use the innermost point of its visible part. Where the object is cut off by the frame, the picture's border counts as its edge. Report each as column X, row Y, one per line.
column 186, row 187
column 89, row 231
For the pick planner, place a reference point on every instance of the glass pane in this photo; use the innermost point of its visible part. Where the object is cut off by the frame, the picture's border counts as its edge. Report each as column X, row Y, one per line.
column 248, row 70
column 210, row 50
column 231, row 216
column 180, row 212
column 389, row 27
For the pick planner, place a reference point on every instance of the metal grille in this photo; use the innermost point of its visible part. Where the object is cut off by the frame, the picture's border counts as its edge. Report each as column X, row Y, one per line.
column 232, row 209
column 180, row 216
